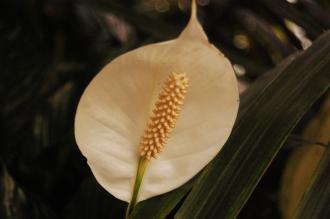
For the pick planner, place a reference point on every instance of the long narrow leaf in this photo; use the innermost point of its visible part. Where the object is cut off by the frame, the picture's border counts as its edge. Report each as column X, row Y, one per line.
column 160, row 206
column 226, row 184
column 316, row 201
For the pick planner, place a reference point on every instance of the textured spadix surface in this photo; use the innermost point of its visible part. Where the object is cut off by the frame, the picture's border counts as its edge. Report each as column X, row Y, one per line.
column 116, row 105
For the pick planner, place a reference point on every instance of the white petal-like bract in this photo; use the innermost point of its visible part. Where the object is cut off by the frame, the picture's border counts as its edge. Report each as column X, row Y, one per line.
column 115, row 108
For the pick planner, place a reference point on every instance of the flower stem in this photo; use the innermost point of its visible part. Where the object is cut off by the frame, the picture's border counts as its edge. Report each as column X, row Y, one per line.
column 143, row 162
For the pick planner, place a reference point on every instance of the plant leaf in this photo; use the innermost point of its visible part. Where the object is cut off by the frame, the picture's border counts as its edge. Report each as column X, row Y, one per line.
column 316, row 201
column 303, row 162
column 160, row 206
column 227, row 182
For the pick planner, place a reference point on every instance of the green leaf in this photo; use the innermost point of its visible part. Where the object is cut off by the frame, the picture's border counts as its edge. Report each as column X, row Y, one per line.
column 228, row 181
column 262, row 83
column 316, row 200
column 160, row 206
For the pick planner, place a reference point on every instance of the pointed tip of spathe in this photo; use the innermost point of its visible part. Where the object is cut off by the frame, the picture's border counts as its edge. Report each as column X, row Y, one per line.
column 193, row 31
column 193, row 14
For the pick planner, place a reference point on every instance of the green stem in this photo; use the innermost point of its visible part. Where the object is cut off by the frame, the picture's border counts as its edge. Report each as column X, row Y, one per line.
column 143, row 162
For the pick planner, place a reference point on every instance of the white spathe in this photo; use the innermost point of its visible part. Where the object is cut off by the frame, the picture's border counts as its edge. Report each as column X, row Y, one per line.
column 116, row 105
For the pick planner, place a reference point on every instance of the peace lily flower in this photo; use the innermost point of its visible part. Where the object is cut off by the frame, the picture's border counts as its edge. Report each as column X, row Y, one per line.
column 155, row 116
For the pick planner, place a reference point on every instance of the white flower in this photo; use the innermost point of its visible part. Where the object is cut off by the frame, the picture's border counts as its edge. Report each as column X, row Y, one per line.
column 116, row 106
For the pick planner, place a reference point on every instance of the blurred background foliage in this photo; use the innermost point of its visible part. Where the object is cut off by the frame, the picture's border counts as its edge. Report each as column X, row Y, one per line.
column 51, row 49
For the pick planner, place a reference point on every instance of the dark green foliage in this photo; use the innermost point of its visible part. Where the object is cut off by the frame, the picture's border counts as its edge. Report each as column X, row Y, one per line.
column 49, row 52
column 316, row 200
column 227, row 182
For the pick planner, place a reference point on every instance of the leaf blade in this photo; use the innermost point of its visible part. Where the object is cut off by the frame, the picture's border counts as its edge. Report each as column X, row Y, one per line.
column 262, row 137
column 161, row 206
column 316, row 200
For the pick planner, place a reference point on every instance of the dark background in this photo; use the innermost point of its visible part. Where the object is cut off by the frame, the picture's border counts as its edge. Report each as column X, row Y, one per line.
column 49, row 52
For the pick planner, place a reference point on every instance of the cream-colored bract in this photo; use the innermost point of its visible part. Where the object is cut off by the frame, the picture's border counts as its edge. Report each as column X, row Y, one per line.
column 116, row 105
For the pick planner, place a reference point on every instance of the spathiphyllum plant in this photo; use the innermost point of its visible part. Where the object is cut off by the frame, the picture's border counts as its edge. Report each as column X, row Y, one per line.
column 155, row 116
